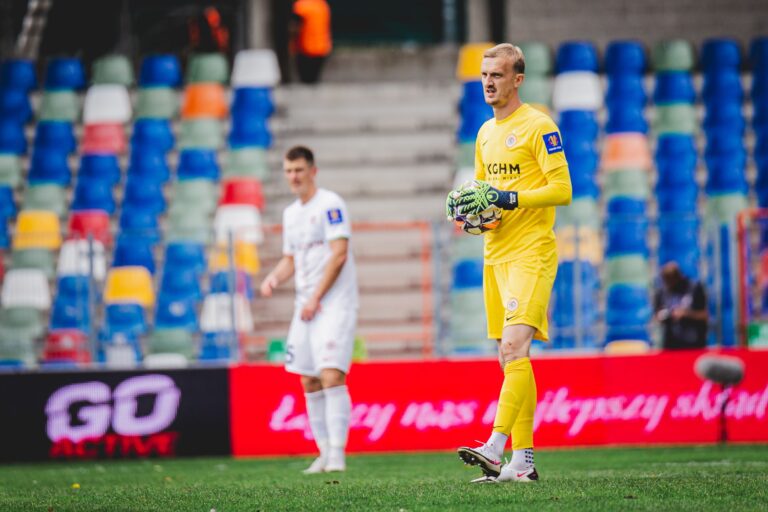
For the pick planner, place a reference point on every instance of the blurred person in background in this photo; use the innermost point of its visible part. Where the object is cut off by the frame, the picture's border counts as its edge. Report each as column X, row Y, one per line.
column 311, row 38
column 680, row 307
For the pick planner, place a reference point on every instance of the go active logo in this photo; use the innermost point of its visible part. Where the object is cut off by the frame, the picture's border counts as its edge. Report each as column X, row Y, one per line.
column 89, row 419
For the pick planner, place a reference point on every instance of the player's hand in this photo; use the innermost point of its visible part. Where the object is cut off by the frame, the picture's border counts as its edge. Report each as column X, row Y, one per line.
column 473, row 200
column 267, row 285
column 450, row 205
column 310, row 309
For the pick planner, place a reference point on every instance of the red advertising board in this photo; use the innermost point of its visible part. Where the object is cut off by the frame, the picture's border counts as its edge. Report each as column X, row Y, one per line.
column 438, row 405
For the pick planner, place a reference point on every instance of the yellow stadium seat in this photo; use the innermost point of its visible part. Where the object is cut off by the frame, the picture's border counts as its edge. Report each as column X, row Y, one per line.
column 129, row 284
column 37, row 229
column 589, row 247
column 246, row 258
column 470, row 57
column 627, row 347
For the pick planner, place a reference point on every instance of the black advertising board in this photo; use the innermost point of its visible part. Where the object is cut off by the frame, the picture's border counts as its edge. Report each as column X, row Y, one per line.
column 114, row 414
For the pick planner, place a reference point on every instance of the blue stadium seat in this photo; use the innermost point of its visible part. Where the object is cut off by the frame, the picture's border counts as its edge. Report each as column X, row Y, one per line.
column 160, row 70
column 5, row 237
column 669, row 177
column 175, row 314
column 186, row 255
column 727, row 116
column 248, row 131
column 472, row 97
column 625, row 58
column 149, row 164
column 253, row 101
column 217, row 346
column 19, row 74
column 758, row 53
column 140, row 223
column 468, row 273
column 627, row 305
column 49, row 166
column 7, row 203
column 55, row 135
column 581, row 122
column 142, row 193
column 678, row 231
column 93, row 194
column 12, row 138
column 720, row 54
column 627, row 236
column 14, row 104
column 125, row 318
column 576, row 56
column 471, row 122
column 722, row 85
column 149, row 134
column 71, row 308
column 133, row 251
column 759, row 90
column 723, row 140
column 674, row 87
column 243, row 283
column 677, row 200
column 631, row 206
column 64, row 73
column 727, row 172
column 198, row 163
column 626, row 90
column 179, row 284
column 686, row 258
column 101, row 167
column 626, row 119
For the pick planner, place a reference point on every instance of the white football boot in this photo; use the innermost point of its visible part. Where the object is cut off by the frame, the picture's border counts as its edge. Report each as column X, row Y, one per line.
column 511, row 474
column 318, row 466
column 336, row 462
column 483, row 457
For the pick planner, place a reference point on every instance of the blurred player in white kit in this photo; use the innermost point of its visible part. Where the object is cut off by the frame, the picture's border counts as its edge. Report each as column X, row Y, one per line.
column 316, row 250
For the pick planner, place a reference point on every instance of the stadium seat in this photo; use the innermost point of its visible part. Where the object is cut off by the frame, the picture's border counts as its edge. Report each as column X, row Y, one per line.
column 149, row 164
column 249, row 131
column 625, row 58
column 470, row 57
column 207, row 67
column 40, row 259
column 626, row 236
column 626, row 119
column 628, row 183
column 106, row 104
column 125, row 319
column 242, row 221
column 23, row 320
column 673, row 55
column 36, row 229
column 55, row 135
column 157, row 103
column 243, row 284
column 727, row 173
column 536, row 90
column 168, row 340
column 134, row 252
column 129, row 285
column 255, row 68
column 576, row 56
column 625, row 90
column 674, row 87
column 631, row 269
column 627, row 347
column 246, row 258
column 12, row 138
column 66, row 346
column 538, row 58
column 17, row 348
column 181, row 284
column 723, row 208
column 577, row 90
column 64, row 73
column 201, row 133
column 248, row 162
column 625, row 150
column 5, row 243
column 75, row 259
column 175, row 314
column 100, row 167
column 626, row 206
column 679, row 232
column 18, row 74
column 59, row 106
column 582, row 244
column 206, row 100
column 160, row 70
column 93, row 194
column 581, row 122
column 26, row 287
column 722, row 85
column 72, row 311
column 581, row 212
column 7, row 203
column 90, row 223
column 188, row 225
column 258, row 134
column 49, row 166
column 141, row 224
column 678, row 118
column 141, row 193
column 152, row 134
column 467, row 273
column 15, row 105
column 197, row 164
column 104, row 138
column 242, row 191
column 10, row 170
column 217, row 313
column 677, row 200
column 185, row 255
column 218, row 346
column 253, row 101
column 113, row 69
column 720, row 53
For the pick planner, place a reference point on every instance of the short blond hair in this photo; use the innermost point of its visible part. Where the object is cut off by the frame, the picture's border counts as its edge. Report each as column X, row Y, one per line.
column 508, row 51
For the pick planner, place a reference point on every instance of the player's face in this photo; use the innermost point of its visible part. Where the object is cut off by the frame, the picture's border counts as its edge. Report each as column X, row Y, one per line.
column 500, row 82
column 300, row 176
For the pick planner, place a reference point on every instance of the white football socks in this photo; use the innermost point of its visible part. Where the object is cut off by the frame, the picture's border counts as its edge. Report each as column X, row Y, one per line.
column 522, row 459
column 316, row 406
column 497, row 442
column 338, row 407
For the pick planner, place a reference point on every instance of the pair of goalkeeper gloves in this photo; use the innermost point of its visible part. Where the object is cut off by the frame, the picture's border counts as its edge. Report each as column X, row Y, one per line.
column 477, row 198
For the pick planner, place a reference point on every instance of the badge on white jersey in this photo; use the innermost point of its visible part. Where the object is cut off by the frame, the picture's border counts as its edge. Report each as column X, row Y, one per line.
column 334, row 216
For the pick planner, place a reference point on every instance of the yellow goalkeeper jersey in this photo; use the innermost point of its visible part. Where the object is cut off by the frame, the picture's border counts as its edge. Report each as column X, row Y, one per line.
column 523, row 153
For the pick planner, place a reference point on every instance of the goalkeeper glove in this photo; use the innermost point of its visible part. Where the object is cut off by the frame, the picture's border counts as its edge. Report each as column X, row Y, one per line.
column 476, row 199
column 450, row 205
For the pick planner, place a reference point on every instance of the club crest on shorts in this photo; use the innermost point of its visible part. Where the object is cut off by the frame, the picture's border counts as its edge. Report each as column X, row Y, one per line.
column 511, row 140
column 512, row 304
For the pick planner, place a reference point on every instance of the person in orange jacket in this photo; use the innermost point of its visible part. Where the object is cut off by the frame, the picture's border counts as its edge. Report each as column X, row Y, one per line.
column 311, row 41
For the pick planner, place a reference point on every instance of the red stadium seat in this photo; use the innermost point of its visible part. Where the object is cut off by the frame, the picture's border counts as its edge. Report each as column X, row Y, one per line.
column 243, row 191
column 66, row 345
column 90, row 222
column 104, row 138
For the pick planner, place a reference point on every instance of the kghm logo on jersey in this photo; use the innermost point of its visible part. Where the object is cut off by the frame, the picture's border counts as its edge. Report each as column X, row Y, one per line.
column 553, row 142
column 511, row 140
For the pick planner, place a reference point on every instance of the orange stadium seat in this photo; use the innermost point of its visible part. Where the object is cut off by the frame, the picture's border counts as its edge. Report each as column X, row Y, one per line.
column 204, row 100
column 626, row 150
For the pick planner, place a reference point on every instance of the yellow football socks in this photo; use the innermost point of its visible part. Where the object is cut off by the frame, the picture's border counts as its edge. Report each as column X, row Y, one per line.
column 517, row 402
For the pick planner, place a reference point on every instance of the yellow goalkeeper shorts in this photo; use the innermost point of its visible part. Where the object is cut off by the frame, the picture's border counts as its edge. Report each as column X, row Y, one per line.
column 519, row 294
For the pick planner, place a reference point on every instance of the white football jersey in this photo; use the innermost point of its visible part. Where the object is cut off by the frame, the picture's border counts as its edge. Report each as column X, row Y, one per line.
column 307, row 230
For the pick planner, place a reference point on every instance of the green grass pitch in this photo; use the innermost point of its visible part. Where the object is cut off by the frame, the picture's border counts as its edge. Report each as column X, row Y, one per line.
column 731, row 478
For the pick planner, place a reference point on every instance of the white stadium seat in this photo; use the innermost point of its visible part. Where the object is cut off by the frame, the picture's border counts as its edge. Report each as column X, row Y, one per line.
column 255, row 68
column 26, row 287
column 577, row 90
column 244, row 221
column 106, row 103
column 74, row 256
column 217, row 313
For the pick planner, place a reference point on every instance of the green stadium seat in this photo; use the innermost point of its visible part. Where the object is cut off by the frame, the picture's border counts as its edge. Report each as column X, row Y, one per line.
column 276, row 350
column 60, row 106
column 42, row 259
column 626, row 183
column 630, row 269
column 246, row 163
column 582, row 212
column 536, row 90
column 113, row 69
column 200, row 194
column 47, row 197
column 201, row 134
column 25, row 321
column 538, row 59
column 157, row 102
column 16, row 345
column 171, row 341
column 207, row 67
column 723, row 209
column 359, row 349
column 673, row 55
column 466, row 155
column 679, row 118
column 188, row 224
column 10, row 170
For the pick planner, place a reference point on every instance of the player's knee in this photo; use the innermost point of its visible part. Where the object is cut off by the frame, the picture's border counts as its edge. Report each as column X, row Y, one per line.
column 311, row 384
column 331, row 377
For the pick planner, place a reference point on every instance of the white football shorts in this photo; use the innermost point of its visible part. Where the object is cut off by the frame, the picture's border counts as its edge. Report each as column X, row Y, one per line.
column 324, row 342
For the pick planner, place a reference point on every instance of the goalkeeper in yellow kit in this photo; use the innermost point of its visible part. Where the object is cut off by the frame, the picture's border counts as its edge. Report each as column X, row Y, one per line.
column 521, row 167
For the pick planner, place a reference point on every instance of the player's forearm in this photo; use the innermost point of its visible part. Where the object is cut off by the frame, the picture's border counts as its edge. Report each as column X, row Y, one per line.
column 331, row 273
column 283, row 270
column 557, row 191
